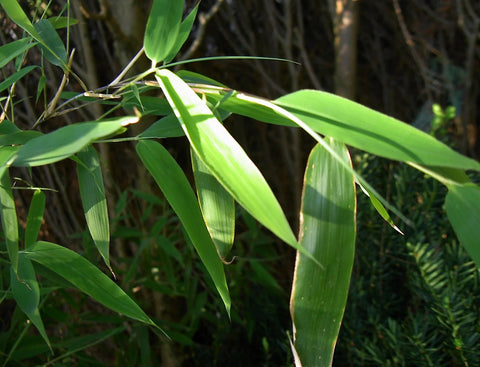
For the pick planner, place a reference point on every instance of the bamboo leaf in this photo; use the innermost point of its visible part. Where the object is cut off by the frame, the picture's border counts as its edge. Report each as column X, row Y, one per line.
column 52, row 46
column 87, row 278
column 26, row 293
column 224, row 157
column 15, row 77
column 34, row 218
column 217, row 205
column 327, row 230
column 184, row 31
column 66, row 141
column 166, row 127
column 163, row 27
column 174, row 185
column 463, row 210
column 13, row 49
column 372, row 131
column 8, row 211
column 94, row 202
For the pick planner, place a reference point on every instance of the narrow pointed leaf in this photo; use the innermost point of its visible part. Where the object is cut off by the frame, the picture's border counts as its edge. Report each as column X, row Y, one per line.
column 87, row 278
column 327, row 230
column 16, row 13
column 183, row 33
column 15, row 77
column 34, row 218
column 66, row 141
column 167, row 127
column 9, row 217
column 463, row 210
column 13, row 49
column 26, row 293
column 53, row 47
column 217, row 205
column 370, row 130
column 174, row 185
column 162, row 29
column 94, row 202
column 224, row 157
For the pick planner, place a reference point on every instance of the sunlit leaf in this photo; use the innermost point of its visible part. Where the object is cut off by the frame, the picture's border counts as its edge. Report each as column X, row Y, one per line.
column 26, row 293
column 87, row 278
column 224, row 157
column 174, row 185
column 463, row 210
column 94, row 202
column 66, row 141
column 217, row 205
column 34, row 218
column 369, row 130
column 327, row 231
column 163, row 27
column 16, row 13
column 183, row 33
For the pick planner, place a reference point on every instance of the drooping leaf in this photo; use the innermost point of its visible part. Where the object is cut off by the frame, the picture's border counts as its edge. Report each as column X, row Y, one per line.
column 174, row 185
column 7, row 210
column 327, row 231
column 26, row 293
column 34, row 218
column 369, row 130
column 224, row 157
column 163, row 27
column 62, row 22
column 15, row 77
column 13, row 49
column 183, row 33
column 66, row 141
column 87, row 278
column 217, row 205
column 53, row 47
column 94, row 202
column 463, row 210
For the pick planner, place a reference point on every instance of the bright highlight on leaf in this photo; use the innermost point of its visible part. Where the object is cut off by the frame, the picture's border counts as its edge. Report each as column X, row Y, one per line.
column 327, row 231
column 163, row 27
column 174, row 185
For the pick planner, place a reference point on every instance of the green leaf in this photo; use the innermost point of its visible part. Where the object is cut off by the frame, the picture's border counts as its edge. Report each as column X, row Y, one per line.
column 52, row 46
column 18, row 138
column 62, row 22
column 8, row 213
column 87, row 278
column 371, row 131
column 217, row 205
column 163, row 27
column 66, row 141
column 16, row 13
column 94, row 202
column 463, row 210
column 34, row 218
column 224, row 157
column 185, row 29
column 15, row 77
column 327, row 231
column 174, row 185
column 26, row 293
column 13, row 49
column 167, row 127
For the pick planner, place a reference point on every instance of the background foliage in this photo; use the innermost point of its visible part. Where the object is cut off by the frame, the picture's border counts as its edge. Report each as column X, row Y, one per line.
column 410, row 55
